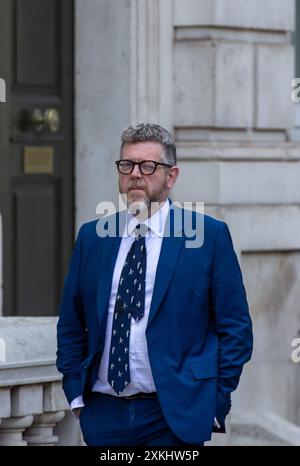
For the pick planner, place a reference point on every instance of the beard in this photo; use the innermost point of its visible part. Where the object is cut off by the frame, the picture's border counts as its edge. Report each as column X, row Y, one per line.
column 137, row 201
column 144, row 205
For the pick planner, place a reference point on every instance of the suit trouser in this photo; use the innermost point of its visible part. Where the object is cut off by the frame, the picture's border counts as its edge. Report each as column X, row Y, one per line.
column 111, row 420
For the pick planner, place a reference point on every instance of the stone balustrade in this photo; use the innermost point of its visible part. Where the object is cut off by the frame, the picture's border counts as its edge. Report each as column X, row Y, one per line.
column 32, row 402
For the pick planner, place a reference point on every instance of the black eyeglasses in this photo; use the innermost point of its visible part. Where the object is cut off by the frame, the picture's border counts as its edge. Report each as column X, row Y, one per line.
column 146, row 167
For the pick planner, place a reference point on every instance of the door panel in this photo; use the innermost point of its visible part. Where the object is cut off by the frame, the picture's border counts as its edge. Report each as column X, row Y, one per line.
column 35, row 26
column 36, row 285
column 36, row 152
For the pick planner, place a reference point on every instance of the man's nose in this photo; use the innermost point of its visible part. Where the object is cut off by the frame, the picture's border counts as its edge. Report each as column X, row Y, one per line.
column 136, row 171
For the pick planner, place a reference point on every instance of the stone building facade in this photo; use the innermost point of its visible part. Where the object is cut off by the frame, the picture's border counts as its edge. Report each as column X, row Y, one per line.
column 218, row 74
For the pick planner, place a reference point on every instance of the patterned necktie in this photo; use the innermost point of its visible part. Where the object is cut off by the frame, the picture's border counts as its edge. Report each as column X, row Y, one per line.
column 130, row 301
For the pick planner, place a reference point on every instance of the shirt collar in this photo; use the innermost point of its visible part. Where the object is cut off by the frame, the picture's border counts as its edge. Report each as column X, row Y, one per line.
column 156, row 223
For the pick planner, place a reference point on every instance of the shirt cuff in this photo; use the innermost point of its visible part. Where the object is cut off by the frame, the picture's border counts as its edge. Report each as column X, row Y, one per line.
column 76, row 403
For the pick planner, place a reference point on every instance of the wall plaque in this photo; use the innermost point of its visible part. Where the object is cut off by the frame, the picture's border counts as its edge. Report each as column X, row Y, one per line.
column 38, row 159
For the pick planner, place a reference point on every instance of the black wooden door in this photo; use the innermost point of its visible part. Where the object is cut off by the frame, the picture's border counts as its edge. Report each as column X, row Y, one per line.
column 36, row 152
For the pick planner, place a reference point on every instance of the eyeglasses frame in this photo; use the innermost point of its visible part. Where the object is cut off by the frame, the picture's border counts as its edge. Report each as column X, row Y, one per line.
column 117, row 162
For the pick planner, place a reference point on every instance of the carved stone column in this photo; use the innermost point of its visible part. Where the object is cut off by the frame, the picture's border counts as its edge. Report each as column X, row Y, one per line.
column 41, row 431
column 11, row 430
column 54, row 406
column 21, row 404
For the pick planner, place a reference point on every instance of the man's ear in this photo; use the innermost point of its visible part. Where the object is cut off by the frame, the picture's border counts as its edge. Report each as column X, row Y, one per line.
column 172, row 176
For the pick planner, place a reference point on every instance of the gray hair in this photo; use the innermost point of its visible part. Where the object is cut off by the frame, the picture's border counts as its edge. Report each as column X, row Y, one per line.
column 144, row 132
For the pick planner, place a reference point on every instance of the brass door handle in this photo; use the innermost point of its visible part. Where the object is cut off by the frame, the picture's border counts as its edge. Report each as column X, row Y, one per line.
column 48, row 119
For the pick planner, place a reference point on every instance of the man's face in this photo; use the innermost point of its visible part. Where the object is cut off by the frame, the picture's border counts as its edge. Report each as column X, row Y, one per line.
column 146, row 188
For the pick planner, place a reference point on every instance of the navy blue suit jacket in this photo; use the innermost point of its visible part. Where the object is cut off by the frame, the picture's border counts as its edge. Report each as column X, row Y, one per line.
column 199, row 331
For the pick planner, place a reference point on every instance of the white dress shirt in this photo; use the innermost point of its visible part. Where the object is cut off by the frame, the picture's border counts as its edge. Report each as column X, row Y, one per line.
column 141, row 379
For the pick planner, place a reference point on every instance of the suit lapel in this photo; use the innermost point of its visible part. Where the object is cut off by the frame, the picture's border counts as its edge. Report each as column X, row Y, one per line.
column 169, row 253
column 170, row 249
column 110, row 248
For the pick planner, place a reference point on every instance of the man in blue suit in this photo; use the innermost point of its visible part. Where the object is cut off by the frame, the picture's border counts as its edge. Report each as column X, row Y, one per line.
column 153, row 333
